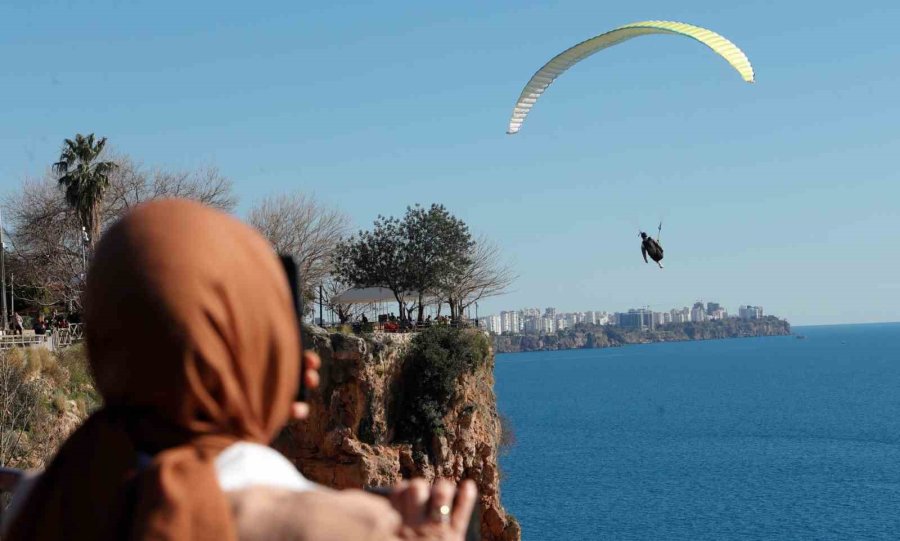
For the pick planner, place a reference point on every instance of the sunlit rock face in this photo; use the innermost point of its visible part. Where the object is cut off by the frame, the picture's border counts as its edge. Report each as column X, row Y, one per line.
column 349, row 439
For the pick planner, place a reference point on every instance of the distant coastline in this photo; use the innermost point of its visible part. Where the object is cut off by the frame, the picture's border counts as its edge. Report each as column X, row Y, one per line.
column 584, row 336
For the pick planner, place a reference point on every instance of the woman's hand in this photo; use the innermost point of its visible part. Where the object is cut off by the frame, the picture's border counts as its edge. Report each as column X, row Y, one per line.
column 419, row 513
column 311, row 365
column 438, row 513
column 269, row 514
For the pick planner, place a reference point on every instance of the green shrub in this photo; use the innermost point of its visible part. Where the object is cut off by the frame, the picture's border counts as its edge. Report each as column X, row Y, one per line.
column 436, row 359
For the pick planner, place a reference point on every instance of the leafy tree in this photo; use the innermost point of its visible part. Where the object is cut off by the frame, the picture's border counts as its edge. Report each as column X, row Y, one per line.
column 437, row 246
column 375, row 259
column 84, row 180
column 415, row 254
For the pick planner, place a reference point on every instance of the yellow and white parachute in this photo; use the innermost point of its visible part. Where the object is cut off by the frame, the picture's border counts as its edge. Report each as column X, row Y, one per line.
column 568, row 58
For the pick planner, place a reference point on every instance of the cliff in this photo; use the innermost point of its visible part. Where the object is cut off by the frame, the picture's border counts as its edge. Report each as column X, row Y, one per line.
column 371, row 424
column 597, row 336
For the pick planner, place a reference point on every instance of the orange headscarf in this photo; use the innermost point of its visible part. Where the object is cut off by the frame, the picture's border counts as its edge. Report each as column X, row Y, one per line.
column 193, row 343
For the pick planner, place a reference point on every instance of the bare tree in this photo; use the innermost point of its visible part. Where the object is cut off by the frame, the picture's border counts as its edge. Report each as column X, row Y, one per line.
column 131, row 185
column 48, row 255
column 299, row 225
column 485, row 275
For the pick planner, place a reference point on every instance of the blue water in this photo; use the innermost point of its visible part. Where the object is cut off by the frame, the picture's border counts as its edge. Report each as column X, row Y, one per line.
column 758, row 438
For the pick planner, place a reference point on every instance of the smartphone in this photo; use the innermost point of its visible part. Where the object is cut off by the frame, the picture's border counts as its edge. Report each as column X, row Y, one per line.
column 293, row 276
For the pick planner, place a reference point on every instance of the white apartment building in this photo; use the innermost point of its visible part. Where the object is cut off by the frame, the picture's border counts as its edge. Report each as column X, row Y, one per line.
column 547, row 325
column 750, row 312
column 494, row 324
column 698, row 313
column 506, row 321
column 532, row 324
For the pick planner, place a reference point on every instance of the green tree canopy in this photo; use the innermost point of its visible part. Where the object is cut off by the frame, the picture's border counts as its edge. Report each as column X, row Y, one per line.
column 374, row 259
column 84, row 179
column 415, row 254
column 437, row 245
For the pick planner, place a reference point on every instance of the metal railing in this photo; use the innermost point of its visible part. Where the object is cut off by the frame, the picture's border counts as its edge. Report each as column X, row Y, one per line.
column 55, row 340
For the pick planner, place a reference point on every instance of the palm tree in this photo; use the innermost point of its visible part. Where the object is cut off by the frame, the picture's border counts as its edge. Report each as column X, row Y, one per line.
column 84, row 180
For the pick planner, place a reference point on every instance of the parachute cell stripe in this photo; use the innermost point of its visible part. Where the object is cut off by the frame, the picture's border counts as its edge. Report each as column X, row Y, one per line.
column 545, row 76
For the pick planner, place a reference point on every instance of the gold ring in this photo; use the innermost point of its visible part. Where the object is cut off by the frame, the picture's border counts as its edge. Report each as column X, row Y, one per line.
column 441, row 514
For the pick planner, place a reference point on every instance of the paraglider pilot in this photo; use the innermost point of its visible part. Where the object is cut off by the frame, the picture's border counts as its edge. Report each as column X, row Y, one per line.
column 652, row 247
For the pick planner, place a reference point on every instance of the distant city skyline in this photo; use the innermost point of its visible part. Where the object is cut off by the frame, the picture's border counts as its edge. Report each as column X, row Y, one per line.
column 549, row 319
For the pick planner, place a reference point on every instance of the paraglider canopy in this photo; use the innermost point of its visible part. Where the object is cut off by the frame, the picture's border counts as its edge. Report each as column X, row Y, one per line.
column 568, row 58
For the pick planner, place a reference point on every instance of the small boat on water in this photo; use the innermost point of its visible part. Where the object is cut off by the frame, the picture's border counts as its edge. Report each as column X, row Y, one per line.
column 800, row 337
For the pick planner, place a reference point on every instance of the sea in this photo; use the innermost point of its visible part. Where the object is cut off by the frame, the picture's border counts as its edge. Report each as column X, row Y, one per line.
column 750, row 438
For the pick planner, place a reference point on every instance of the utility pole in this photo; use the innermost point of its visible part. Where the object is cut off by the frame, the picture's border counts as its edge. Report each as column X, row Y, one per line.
column 3, row 274
column 85, row 239
column 321, row 320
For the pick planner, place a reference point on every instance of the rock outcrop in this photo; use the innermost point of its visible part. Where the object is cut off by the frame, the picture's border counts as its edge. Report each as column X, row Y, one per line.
column 349, row 438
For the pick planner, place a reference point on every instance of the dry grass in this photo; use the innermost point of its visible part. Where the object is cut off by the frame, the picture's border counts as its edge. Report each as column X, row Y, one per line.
column 15, row 357
column 43, row 396
column 21, row 405
column 41, row 358
column 59, row 402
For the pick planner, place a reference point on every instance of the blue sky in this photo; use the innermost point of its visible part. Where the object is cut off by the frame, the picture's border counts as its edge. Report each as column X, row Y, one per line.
column 783, row 193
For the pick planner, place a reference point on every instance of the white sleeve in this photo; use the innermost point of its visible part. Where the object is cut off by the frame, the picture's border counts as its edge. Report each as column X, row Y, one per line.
column 245, row 464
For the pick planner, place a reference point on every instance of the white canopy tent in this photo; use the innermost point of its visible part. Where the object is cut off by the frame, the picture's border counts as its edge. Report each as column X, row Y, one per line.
column 375, row 300
column 371, row 295
column 368, row 295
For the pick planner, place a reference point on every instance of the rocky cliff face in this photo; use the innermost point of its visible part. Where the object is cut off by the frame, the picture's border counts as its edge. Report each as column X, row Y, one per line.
column 350, row 438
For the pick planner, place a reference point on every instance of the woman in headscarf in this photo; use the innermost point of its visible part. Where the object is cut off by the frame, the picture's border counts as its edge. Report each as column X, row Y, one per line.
column 194, row 346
